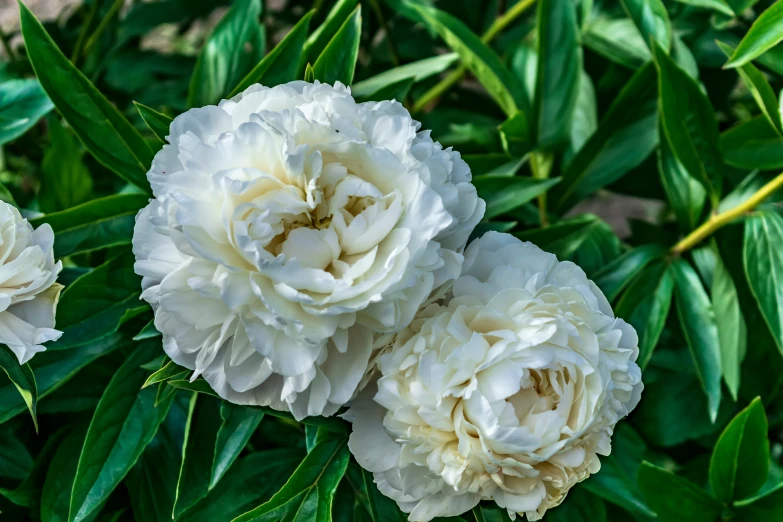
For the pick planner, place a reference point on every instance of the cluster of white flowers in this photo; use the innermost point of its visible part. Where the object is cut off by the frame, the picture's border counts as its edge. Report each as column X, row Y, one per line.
column 304, row 251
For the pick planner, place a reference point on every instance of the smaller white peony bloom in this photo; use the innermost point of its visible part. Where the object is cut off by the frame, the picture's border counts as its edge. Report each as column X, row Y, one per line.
column 28, row 291
column 289, row 225
column 509, row 391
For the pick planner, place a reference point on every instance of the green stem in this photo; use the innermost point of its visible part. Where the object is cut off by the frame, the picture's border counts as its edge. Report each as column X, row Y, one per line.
column 454, row 77
column 113, row 10
column 719, row 220
column 77, row 49
column 540, row 171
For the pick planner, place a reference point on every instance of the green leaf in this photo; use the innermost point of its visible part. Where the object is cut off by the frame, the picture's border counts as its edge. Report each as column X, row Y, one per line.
column 149, row 331
column 281, row 64
column 686, row 195
column 198, row 451
column 52, row 369
column 235, row 44
column 309, row 75
column 599, row 247
column 100, row 223
column 564, row 237
column 66, row 181
column 417, row 71
column 732, row 331
column 515, row 135
column 585, row 121
column 94, row 305
column 579, row 506
column 28, row 493
column 763, row 260
column 759, row 87
column 15, row 461
column 753, row 144
column 124, row 422
column 740, row 460
column 617, row 480
column 238, row 423
column 624, row 138
column 766, row 507
column 494, row 513
column 101, row 127
column 308, row 494
column 22, row 104
column 502, row 193
column 56, row 493
column 616, row 39
column 317, row 42
column 651, row 19
column 676, row 499
column 557, row 74
column 689, row 122
column 22, row 377
column 251, row 481
column 645, row 305
column 766, row 32
column 380, row 507
column 482, row 61
column 697, row 320
column 338, row 60
column 168, row 371
column 720, row 6
column 615, row 276
column 156, row 121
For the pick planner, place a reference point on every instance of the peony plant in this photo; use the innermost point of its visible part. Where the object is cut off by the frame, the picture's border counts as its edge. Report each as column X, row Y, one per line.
column 282, row 294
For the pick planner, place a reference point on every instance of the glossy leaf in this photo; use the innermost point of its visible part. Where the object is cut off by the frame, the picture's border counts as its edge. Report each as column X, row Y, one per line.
column 676, row 499
column 720, row 6
column 697, row 320
column 101, row 127
column 689, row 123
column 237, row 426
column 618, row 274
column 766, row 507
column 732, row 331
column 765, row 32
column 22, row 104
column 417, row 71
column 124, row 422
column 234, row 46
column 100, row 223
column 763, row 260
column 15, row 461
column 740, row 460
column 651, row 19
column 686, row 195
column 338, row 60
column 557, row 74
column 515, row 135
column 482, row 61
column 753, row 144
column 323, row 34
column 56, row 492
column 281, row 64
column 503, row 194
column 308, row 494
column 66, row 181
column 157, row 122
column 562, row 238
column 22, row 377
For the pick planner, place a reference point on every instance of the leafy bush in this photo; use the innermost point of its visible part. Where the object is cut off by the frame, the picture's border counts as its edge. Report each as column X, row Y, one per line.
column 659, row 116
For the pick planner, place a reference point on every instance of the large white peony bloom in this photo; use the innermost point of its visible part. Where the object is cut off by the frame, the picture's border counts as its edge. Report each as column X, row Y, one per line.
column 28, row 291
column 289, row 225
column 507, row 392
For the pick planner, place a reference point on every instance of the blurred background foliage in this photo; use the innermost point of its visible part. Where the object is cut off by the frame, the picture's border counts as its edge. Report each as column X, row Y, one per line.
column 608, row 132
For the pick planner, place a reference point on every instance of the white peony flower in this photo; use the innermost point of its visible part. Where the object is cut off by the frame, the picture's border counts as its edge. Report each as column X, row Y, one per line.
column 289, row 225
column 508, row 392
column 28, row 291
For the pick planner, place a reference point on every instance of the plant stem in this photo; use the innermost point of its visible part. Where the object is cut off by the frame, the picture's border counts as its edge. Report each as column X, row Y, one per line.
column 455, row 76
column 113, row 10
column 719, row 220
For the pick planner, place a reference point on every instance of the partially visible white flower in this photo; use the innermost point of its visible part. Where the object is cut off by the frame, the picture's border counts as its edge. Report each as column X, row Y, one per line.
column 290, row 225
column 508, row 391
column 28, row 291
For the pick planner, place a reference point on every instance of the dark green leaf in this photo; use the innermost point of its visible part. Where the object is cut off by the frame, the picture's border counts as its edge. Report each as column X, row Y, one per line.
column 236, row 427
column 697, row 320
column 380, row 507
column 124, row 422
column 317, row 42
column 753, row 144
column 482, row 61
column 732, row 331
column 22, row 377
column 156, row 121
column 147, row 332
column 763, row 259
column 234, row 46
column 651, row 19
column 281, row 64
column 579, row 506
column 28, row 493
column 585, row 121
column 624, row 138
column 676, row 499
column 308, row 494
column 56, row 494
column 720, row 6
column 766, row 31
column 689, row 123
column 66, row 181
column 759, row 87
column 502, row 193
column 645, row 305
column 15, row 461
column 686, row 195
column 557, row 75
column 338, row 60
column 615, row 276
column 169, row 371
column 766, row 507
column 416, row 71
column 515, row 135
column 617, row 39
column 101, row 127
column 740, row 460
column 22, row 104
column 564, row 237
column 600, row 247
column 100, row 223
